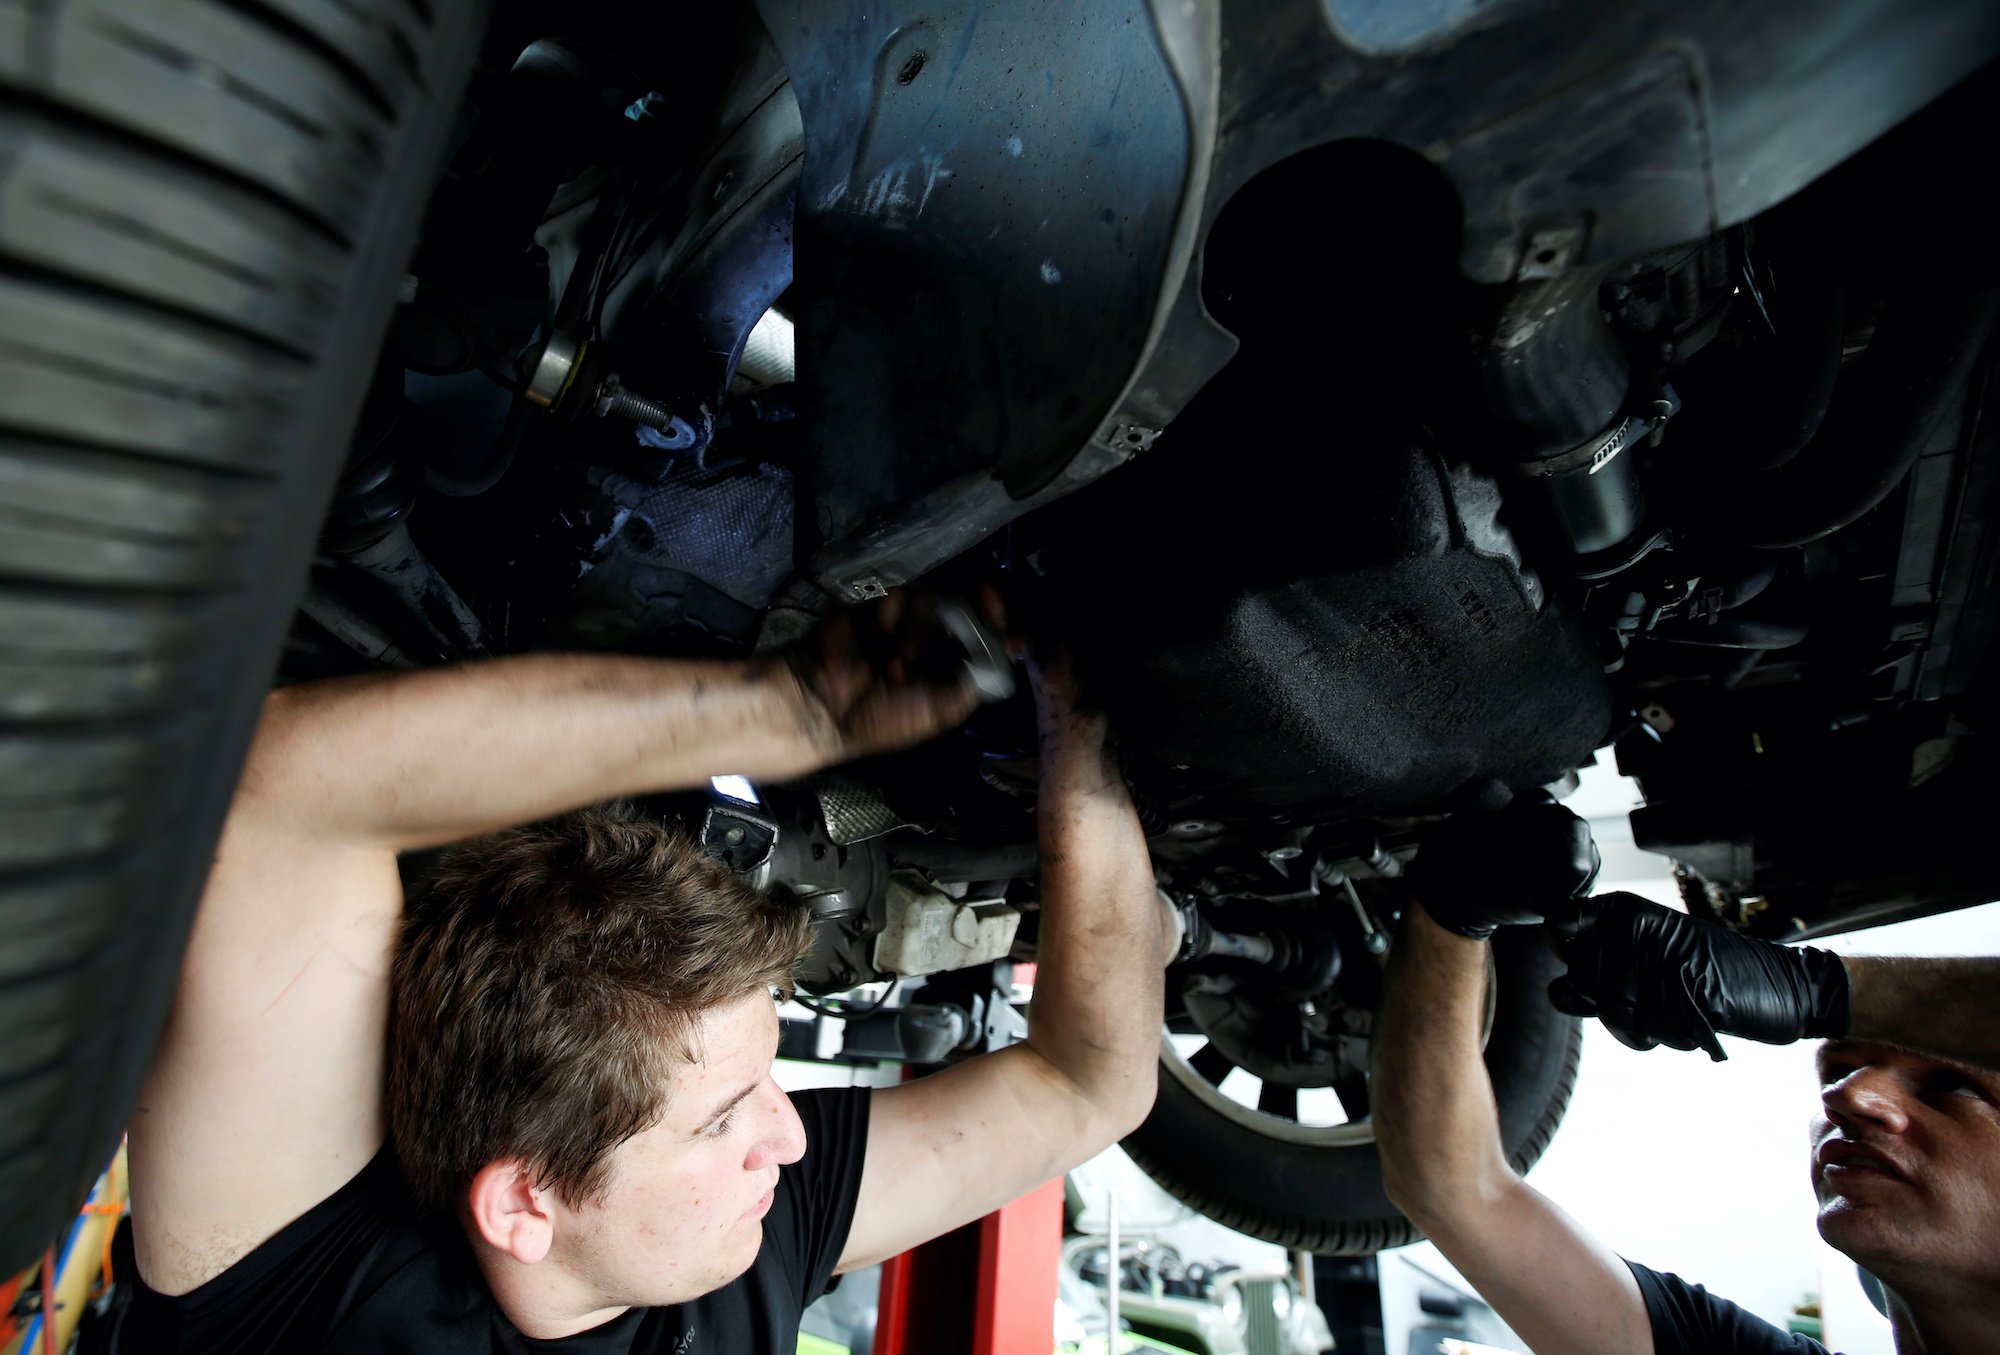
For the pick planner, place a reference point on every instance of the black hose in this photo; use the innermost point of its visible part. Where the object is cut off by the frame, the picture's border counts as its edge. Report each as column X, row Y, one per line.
column 377, row 489
column 1552, row 372
column 1733, row 632
column 1737, row 589
column 1242, row 946
column 407, row 574
column 352, row 628
column 1554, row 376
column 378, row 486
column 1885, row 412
column 1803, row 369
column 575, row 307
column 1771, row 399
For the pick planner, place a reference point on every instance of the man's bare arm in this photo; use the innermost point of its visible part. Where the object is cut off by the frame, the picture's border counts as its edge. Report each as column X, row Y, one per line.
column 1438, row 1133
column 948, row 1148
column 266, row 1092
column 1946, row 1009
column 420, row 759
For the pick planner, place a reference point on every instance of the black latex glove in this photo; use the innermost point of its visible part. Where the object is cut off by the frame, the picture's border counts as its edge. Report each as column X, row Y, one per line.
column 1655, row 976
column 1479, row 872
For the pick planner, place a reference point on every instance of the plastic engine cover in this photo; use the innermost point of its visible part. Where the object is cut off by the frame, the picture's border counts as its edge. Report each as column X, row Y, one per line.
column 1377, row 657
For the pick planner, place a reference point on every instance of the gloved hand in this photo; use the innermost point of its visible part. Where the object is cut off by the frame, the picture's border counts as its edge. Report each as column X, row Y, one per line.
column 1655, row 976
column 1479, row 872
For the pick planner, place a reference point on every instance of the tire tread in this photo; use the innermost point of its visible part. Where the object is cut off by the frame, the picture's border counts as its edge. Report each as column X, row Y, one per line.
column 205, row 206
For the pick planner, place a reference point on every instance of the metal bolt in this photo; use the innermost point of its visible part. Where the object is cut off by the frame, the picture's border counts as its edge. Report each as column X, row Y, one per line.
column 630, row 404
column 734, row 837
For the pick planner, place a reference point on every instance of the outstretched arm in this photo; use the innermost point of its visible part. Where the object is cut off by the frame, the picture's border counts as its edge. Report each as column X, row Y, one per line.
column 265, row 1095
column 1438, row 1132
column 1945, row 1009
column 948, row 1148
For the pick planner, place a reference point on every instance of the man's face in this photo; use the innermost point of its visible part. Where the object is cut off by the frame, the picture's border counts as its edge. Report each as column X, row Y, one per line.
column 685, row 1208
column 1906, row 1160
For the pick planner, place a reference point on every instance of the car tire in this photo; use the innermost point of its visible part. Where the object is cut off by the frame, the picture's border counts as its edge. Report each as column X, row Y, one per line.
column 1322, row 1191
column 206, row 208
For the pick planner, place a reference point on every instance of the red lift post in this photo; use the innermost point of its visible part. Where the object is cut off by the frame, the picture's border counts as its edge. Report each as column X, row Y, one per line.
column 988, row 1288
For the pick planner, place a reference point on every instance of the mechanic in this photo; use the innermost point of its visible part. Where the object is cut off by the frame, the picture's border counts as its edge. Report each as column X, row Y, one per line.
column 592, row 1151
column 1905, row 1150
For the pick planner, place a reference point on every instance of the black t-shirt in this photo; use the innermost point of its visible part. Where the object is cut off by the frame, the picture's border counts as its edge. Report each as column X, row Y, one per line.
column 364, row 1271
column 1687, row 1318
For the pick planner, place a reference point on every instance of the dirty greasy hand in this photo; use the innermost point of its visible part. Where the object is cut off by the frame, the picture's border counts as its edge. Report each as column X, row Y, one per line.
column 1654, row 976
column 1479, row 872
column 880, row 677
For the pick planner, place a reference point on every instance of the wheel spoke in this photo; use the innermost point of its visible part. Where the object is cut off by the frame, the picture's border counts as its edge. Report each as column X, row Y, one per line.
column 1211, row 1063
column 1274, row 1098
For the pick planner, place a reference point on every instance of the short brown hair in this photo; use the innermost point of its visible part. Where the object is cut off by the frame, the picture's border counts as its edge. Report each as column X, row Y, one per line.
column 547, row 983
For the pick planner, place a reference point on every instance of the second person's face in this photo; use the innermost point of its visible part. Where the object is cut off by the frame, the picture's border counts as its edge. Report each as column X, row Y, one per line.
column 1906, row 1163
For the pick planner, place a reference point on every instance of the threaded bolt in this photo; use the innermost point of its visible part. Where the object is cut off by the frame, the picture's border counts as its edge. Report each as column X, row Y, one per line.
column 629, row 404
column 612, row 398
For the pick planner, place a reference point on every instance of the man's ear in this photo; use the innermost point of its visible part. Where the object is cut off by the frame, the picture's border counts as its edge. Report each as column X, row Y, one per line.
column 511, row 1212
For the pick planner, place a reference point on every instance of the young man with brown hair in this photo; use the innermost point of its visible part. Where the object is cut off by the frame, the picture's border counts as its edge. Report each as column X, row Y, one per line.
column 579, row 1065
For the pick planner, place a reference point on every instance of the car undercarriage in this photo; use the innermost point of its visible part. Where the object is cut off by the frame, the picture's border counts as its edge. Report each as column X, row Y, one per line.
column 1393, row 407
